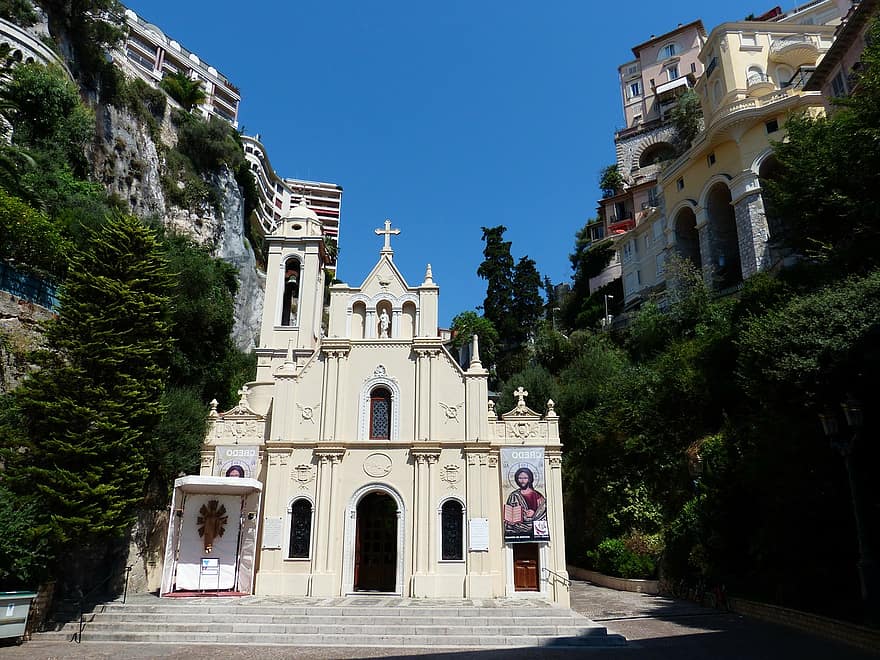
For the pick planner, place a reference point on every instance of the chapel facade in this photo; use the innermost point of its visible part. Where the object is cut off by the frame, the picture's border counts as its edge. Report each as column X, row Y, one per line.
column 364, row 458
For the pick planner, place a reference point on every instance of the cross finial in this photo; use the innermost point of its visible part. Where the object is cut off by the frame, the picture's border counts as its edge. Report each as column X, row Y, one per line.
column 388, row 232
column 520, row 395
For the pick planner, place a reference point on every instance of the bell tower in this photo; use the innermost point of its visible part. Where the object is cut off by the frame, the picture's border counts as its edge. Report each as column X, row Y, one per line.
column 294, row 304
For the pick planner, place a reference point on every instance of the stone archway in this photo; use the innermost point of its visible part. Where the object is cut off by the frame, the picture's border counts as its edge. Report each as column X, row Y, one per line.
column 687, row 238
column 373, row 544
column 726, row 263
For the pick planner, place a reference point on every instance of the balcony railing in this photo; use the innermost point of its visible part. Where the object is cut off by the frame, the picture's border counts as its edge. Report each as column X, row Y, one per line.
column 757, row 78
column 794, row 40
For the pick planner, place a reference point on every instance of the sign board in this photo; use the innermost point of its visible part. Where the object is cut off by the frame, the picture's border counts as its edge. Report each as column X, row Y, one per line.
column 210, row 566
column 478, row 534
column 273, row 530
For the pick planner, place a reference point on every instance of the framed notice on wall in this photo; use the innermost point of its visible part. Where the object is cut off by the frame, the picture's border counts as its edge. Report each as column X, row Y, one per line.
column 273, row 528
column 478, row 534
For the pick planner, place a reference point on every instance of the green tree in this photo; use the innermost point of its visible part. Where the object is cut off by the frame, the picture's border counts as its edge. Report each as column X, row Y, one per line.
column 20, row 12
column 687, row 118
column 610, row 181
column 467, row 324
column 46, row 113
column 24, row 554
column 86, row 415
column 497, row 270
column 183, row 89
column 91, row 28
column 827, row 192
column 528, row 305
column 30, row 239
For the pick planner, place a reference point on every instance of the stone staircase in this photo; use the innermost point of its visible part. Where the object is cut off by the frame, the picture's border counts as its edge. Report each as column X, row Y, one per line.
column 355, row 621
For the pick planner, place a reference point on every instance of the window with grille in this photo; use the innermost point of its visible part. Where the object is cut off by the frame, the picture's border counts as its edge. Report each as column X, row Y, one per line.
column 380, row 414
column 452, row 530
column 300, row 529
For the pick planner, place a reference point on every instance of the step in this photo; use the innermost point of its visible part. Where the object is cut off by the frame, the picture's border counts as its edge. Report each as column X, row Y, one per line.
column 181, row 619
column 341, row 639
column 335, row 622
column 342, row 628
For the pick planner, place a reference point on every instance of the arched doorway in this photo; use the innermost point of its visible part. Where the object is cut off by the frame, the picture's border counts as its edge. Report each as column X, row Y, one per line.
column 770, row 172
column 375, row 545
column 726, row 264
column 656, row 153
column 687, row 238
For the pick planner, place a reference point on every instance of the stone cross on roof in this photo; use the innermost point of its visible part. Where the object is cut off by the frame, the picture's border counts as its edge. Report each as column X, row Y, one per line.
column 520, row 395
column 388, row 232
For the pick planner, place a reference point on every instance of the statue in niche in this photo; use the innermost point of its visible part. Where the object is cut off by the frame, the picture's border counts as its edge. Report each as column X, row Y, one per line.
column 291, row 293
column 384, row 324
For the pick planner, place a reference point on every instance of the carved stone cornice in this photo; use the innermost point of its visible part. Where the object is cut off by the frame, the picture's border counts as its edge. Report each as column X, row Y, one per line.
column 425, row 454
column 329, row 454
column 337, row 348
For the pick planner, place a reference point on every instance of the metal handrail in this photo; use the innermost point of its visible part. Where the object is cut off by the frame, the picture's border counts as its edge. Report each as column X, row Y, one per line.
column 82, row 624
column 565, row 581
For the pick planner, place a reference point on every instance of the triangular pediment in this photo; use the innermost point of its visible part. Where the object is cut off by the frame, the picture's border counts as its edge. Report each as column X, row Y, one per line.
column 521, row 413
column 384, row 278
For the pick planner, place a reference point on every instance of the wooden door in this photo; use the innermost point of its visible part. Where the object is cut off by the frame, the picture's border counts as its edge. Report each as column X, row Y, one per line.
column 376, row 544
column 525, row 566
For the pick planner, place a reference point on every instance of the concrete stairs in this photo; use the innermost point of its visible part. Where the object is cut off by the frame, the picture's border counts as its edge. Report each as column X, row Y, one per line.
column 341, row 622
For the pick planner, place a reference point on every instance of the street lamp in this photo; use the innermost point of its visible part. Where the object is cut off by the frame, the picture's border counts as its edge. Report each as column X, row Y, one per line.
column 845, row 443
column 607, row 316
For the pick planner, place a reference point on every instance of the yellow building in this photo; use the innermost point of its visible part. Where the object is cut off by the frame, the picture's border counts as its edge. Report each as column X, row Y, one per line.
column 712, row 193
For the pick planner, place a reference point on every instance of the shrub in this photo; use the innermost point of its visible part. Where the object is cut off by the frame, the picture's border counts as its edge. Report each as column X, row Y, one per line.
column 623, row 557
column 24, row 554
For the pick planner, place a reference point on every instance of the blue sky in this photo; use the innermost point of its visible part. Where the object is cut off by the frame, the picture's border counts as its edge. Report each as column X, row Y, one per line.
column 442, row 117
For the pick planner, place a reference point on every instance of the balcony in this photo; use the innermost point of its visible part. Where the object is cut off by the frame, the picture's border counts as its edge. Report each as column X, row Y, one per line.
column 795, row 51
column 759, row 84
column 621, row 225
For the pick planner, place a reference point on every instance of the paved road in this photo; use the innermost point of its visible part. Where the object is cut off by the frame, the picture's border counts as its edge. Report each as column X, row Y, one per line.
column 657, row 628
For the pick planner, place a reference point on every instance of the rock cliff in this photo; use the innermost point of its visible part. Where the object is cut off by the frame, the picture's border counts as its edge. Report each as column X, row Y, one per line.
column 127, row 160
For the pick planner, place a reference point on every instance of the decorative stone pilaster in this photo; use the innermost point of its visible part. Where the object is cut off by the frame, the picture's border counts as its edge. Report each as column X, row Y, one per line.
column 703, row 232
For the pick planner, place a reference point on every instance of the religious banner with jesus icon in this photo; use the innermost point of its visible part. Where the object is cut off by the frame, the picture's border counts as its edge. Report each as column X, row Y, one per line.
column 523, row 488
column 237, row 461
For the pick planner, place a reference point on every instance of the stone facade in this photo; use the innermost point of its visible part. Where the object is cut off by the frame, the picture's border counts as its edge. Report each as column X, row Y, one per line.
column 368, row 459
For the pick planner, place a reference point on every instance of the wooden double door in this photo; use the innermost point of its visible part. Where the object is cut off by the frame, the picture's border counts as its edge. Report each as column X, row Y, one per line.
column 375, row 558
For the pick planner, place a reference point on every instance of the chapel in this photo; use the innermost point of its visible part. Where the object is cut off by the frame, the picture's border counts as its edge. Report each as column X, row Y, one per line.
column 364, row 459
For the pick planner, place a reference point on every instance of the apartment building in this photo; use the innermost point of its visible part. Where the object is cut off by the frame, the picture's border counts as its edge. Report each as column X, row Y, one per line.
column 664, row 67
column 278, row 196
column 705, row 205
column 150, row 55
column 712, row 193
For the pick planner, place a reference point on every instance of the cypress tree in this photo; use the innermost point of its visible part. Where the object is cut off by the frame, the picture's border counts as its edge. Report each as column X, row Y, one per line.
column 86, row 416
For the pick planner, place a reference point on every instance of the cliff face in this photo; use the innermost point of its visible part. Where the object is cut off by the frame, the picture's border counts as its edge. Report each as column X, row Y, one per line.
column 128, row 162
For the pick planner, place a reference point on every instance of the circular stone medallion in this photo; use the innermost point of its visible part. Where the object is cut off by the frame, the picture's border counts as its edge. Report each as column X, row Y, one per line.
column 377, row 465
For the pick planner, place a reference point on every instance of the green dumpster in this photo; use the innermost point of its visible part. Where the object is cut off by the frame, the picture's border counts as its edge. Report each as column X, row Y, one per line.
column 14, row 608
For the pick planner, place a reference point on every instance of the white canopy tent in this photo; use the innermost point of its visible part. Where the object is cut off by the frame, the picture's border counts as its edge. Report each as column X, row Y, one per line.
column 198, row 560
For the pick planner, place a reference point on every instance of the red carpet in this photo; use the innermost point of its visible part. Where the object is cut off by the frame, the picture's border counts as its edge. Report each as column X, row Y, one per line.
column 205, row 594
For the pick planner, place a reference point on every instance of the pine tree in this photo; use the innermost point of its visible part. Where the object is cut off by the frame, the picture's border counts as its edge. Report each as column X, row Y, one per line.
column 86, row 415
column 528, row 305
column 497, row 270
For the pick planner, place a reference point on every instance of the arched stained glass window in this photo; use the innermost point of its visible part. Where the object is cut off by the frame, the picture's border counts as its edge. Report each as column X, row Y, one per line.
column 452, row 530
column 380, row 414
column 300, row 529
